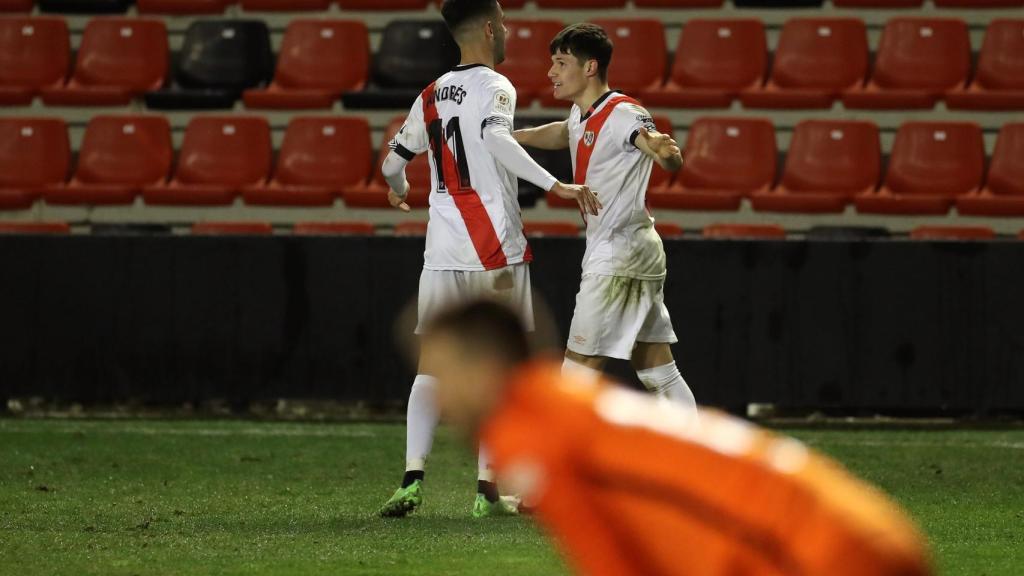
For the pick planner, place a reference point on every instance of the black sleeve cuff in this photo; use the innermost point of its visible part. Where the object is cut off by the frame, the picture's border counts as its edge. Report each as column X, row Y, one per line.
column 404, row 152
column 632, row 137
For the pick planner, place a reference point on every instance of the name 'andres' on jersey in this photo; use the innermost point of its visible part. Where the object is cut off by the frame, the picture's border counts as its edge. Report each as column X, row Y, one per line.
column 454, row 93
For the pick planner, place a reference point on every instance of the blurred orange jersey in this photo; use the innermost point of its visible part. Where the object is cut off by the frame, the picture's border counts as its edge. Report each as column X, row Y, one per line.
column 629, row 484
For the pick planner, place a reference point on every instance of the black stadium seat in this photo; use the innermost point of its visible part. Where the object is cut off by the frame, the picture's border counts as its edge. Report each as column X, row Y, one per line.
column 85, row 6
column 557, row 162
column 413, row 53
column 219, row 59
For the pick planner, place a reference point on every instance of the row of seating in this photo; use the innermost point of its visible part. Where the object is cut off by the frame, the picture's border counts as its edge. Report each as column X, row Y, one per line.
column 818, row 61
column 932, row 166
column 531, row 229
column 218, row 6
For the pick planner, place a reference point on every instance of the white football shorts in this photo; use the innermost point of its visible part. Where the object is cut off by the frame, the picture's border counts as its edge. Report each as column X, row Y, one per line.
column 613, row 313
column 442, row 289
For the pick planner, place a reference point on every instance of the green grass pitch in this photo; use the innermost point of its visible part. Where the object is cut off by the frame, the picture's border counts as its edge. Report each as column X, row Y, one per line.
column 230, row 497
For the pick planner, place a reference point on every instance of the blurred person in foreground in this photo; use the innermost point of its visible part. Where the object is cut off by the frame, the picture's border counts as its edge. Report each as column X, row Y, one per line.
column 627, row 483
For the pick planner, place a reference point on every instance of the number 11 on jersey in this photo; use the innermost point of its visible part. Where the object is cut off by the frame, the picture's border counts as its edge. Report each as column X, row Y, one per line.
column 451, row 136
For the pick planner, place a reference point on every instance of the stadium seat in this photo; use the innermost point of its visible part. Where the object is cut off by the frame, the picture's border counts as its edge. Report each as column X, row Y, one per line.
column 527, row 57
column 232, row 229
column 918, row 60
column 220, row 59
column 724, row 160
column 318, row 61
column 285, row 5
column 999, row 80
column 877, row 3
column 34, row 54
column 373, row 193
column 777, row 3
column 182, row 7
column 678, row 3
column 714, row 61
column 220, row 156
column 740, row 231
column 34, row 228
column 412, row 54
column 119, row 155
column 931, row 163
column 411, row 228
column 816, row 60
column 540, row 229
column 829, row 162
column 952, row 233
column 978, row 3
column 318, row 159
column 16, row 5
column 34, row 156
column 1003, row 194
column 580, row 4
column 119, row 59
column 85, row 6
column 383, row 4
column 669, row 230
column 334, row 228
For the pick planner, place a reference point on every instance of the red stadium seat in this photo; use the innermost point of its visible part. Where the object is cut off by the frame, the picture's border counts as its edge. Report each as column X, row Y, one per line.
column 383, row 4
column 999, row 81
column 34, row 228
column 319, row 158
column 740, row 231
column 411, row 228
column 952, row 233
column 581, row 4
column 829, row 162
column 285, row 5
column 551, row 229
column 119, row 156
column 232, row 229
column 16, row 5
column 319, row 60
column 373, row 194
column 182, row 7
column 724, row 160
column 527, row 57
column 334, row 228
column 877, row 3
column 817, row 59
column 1003, row 194
column 714, row 61
column 34, row 54
column 931, row 163
column 119, row 59
column 640, row 57
column 978, row 3
column 668, row 229
column 220, row 156
column 34, row 157
column 919, row 59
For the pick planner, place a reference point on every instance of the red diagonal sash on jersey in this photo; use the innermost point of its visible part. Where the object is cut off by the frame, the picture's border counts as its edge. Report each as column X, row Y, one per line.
column 478, row 222
column 584, row 150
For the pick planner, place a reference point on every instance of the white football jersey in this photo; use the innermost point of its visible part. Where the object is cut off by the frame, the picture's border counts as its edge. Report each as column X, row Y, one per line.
column 621, row 240
column 475, row 221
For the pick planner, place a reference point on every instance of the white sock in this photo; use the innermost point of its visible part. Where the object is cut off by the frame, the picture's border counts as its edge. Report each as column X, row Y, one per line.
column 483, row 465
column 573, row 368
column 667, row 382
column 421, row 420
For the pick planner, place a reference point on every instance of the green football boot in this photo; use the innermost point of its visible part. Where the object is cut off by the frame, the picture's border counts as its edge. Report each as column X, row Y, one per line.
column 404, row 501
column 484, row 509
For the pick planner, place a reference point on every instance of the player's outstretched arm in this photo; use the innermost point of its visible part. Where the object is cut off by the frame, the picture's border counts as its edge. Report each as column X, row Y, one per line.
column 394, row 173
column 661, row 148
column 553, row 136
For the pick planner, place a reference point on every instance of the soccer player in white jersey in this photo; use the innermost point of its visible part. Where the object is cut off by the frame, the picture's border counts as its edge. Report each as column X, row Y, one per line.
column 475, row 242
column 620, row 308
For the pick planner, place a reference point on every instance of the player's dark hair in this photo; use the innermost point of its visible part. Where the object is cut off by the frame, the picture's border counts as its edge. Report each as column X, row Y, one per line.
column 585, row 42
column 485, row 327
column 456, row 13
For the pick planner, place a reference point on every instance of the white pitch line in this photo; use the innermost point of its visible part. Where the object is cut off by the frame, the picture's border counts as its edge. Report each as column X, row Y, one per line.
column 269, row 431
column 917, row 444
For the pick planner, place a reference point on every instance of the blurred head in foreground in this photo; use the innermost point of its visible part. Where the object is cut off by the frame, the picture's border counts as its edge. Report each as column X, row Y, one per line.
column 630, row 484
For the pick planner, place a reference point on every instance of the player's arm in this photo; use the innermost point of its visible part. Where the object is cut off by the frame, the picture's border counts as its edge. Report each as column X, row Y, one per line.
column 496, row 132
column 407, row 143
column 660, row 147
column 553, row 136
